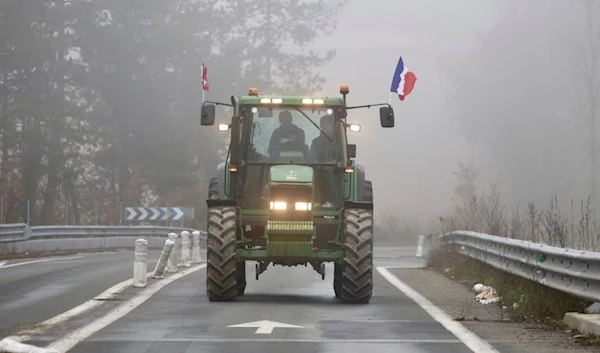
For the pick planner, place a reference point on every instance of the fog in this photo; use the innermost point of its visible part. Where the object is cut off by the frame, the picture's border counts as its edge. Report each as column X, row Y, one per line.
column 508, row 88
column 411, row 165
column 499, row 83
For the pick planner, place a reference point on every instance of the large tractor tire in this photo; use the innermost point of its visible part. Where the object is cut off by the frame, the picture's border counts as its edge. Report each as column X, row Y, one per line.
column 368, row 192
column 221, row 264
column 213, row 189
column 357, row 271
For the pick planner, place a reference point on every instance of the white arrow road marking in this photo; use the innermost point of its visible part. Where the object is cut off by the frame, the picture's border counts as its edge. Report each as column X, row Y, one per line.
column 265, row 327
column 2, row 263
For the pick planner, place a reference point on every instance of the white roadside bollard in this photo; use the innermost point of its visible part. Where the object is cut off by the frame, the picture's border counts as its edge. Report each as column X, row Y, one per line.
column 159, row 270
column 172, row 264
column 140, row 263
column 185, row 249
column 420, row 246
column 196, row 258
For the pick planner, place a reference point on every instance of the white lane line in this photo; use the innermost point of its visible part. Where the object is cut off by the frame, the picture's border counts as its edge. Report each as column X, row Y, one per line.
column 471, row 340
column 71, row 340
column 13, row 346
column 42, row 260
column 81, row 308
column 2, row 263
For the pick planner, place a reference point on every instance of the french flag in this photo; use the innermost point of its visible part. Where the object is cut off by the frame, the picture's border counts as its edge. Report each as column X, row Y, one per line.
column 403, row 81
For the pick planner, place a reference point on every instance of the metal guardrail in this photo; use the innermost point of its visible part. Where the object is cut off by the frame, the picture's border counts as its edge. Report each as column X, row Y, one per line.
column 576, row 272
column 19, row 238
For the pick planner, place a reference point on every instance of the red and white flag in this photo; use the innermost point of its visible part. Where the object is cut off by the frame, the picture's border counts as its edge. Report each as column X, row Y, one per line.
column 204, row 78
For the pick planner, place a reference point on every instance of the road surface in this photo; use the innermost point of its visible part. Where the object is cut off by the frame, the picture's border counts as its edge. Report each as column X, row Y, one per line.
column 288, row 309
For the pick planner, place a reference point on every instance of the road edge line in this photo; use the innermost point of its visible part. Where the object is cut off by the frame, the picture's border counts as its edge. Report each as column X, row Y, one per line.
column 467, row 337
column 70, row 340
column 80, row 309
column 42, row 260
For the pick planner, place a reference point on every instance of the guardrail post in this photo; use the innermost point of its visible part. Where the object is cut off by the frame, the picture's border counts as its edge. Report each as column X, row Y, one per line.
column 164, row 257
column 196, row 258
column 140, row 265
column 420, row 246
column 185, row 249
column 172, row 264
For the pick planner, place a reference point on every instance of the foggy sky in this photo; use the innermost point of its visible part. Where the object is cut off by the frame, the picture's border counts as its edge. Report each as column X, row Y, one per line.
column 411, row 165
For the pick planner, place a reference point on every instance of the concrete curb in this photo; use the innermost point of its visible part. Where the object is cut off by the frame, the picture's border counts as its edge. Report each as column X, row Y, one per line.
column 586, row 324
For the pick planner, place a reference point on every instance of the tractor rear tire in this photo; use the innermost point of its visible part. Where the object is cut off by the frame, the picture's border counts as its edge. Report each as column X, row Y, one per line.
column 368, row 192
column 241, row 277
column 357, row 275
column 213, row 189
column 221, row 265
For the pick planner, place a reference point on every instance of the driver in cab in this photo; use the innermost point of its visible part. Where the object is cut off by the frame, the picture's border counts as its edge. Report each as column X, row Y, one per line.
column 286, row 137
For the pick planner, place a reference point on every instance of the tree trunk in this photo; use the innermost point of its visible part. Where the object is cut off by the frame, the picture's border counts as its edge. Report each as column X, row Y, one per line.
column 32, row 156
column 56, row 158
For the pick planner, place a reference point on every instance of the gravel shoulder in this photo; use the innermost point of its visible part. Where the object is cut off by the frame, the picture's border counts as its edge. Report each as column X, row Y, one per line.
column 490, row 322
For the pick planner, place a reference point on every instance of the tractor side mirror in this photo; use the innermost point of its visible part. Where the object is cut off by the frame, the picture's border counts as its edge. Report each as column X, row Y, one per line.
column 207, row 116
column 386, row 115
column 351, row 151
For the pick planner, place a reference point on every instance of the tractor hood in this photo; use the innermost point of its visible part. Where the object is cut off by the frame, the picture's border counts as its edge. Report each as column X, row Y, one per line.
column 291, row 174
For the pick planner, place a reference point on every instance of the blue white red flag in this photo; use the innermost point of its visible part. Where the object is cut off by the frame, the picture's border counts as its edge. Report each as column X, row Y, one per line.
column 403, row 81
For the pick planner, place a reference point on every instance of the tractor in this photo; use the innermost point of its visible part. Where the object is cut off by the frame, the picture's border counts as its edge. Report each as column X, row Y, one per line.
column 290, row 193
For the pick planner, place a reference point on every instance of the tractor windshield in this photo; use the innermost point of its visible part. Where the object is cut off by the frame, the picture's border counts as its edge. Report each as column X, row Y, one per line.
column 291, row 134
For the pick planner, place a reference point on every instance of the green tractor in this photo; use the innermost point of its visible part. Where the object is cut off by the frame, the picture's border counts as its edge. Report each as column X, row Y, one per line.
column 290, row 193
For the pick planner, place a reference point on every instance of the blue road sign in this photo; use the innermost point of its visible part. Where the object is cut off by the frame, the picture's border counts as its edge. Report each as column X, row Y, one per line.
column 158, row 213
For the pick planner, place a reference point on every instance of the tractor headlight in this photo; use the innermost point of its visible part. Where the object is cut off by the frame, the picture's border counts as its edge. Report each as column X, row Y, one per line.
column 303, row 206
column 278, row 205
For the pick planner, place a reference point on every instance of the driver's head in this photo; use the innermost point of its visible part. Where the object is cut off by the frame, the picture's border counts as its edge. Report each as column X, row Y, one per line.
column 327, row 124
column 285, row 119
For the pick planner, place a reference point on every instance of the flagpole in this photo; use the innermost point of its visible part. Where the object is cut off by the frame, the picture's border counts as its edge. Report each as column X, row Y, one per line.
column 202, row 81
column 390, row 98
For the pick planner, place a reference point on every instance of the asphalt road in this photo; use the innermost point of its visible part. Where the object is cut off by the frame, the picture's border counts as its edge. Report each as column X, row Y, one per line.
column 288, row 309
column 37, row 289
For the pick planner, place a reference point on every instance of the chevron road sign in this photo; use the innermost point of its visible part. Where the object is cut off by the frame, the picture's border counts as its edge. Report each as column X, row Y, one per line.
column 158, row 213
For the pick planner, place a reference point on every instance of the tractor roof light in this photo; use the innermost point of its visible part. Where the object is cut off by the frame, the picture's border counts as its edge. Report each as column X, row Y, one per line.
column 253, row 91
column 354, row 127
column 265, row 100
column 344, row 89
column 277, row 100
column 224, row 127
column 307, row 101
column 318, row 101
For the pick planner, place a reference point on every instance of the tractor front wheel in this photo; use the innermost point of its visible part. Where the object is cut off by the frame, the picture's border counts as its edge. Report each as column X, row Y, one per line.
column 221, row 264
column 357, row 271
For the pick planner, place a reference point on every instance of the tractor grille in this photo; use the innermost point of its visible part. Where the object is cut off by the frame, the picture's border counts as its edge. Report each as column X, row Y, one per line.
column 290, row 227
column 290, row 238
